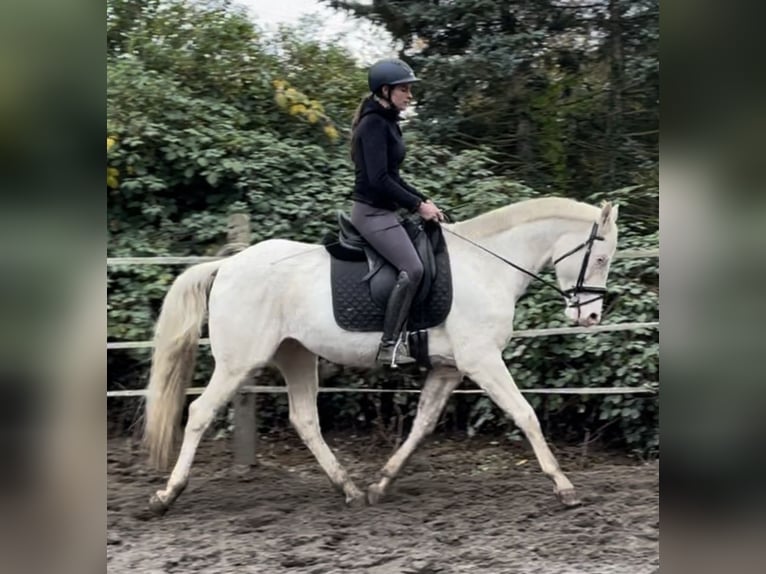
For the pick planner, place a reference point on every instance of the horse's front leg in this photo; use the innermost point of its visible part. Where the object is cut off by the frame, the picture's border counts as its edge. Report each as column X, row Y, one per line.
column 299, row 368
column 436, row 391
column 489, row 372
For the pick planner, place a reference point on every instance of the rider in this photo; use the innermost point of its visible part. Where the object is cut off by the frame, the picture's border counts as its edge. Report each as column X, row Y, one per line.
column 377, row 149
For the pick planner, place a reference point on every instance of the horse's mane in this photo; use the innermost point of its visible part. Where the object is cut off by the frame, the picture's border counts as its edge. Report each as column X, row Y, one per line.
column 504, row 218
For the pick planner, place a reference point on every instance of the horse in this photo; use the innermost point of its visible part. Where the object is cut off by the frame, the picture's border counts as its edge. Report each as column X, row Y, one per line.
column 271, row 304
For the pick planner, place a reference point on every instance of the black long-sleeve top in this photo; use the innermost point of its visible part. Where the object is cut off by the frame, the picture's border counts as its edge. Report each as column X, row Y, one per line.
column 378, row 152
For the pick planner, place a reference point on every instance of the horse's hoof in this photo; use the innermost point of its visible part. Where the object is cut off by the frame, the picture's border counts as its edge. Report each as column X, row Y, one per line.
column 568, row 497
column 374, row 494
column 356, row 500
column 157, row 506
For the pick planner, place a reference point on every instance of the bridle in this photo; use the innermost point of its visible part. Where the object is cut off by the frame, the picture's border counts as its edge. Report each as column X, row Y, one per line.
column 571, row 294
column 580, row 287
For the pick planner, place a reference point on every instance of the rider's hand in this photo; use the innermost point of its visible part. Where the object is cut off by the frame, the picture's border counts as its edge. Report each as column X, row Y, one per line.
column 430, row 212
column 440, row 216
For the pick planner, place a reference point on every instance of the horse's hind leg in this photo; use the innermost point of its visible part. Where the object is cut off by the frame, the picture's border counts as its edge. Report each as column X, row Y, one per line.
column 436, row 391
column 299, row 368
column 219, row 391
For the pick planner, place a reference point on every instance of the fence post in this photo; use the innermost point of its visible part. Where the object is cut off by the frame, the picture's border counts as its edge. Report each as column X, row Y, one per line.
column 238, row 234
column 245, row 430
column 239, row 237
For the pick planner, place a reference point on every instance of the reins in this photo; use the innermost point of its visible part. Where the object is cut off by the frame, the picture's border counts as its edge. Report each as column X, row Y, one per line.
column 568, row 294
column 511, row 263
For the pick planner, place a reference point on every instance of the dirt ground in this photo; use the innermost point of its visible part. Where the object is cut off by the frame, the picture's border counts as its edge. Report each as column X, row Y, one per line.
column 460, row 506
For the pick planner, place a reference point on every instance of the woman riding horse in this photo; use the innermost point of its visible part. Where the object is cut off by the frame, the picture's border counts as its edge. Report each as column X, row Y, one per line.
column 377, row 149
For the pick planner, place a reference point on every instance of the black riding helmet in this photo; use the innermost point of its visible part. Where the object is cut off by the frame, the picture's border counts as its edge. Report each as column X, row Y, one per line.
column 389, row 73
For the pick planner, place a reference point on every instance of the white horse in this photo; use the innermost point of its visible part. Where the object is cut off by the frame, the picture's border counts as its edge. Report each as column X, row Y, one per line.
column 271, row 303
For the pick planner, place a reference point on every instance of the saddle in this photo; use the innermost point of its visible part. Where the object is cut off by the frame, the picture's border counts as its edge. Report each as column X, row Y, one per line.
column 362, row 279
column 381, row 275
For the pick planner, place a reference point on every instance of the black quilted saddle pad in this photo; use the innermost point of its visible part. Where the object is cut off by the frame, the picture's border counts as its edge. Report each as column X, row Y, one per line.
column 355, row 310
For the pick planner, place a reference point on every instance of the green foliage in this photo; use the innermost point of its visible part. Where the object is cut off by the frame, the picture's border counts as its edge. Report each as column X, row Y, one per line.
column 564, row 95
column 627, row 358
column 201, row 123
column 195, row 134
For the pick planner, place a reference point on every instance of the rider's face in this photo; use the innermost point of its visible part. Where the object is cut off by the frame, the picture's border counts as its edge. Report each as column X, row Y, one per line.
column 401, row 95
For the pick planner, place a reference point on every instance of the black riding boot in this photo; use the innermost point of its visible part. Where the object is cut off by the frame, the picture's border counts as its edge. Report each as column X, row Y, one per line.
column 393, row 350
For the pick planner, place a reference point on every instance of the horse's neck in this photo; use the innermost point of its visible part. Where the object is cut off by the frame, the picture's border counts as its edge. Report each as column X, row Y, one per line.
column 528, row 245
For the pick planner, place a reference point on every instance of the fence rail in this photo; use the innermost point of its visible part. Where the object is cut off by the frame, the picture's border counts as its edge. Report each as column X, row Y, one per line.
column 255, row 389
column 116, row 261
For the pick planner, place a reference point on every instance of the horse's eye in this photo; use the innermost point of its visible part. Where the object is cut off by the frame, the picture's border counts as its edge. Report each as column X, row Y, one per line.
column 601, row 260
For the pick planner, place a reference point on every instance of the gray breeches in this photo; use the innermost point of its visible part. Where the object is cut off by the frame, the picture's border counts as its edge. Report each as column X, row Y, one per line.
column 383, row 231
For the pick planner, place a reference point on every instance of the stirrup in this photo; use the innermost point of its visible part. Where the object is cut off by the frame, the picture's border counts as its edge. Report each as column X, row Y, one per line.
column 389, row 353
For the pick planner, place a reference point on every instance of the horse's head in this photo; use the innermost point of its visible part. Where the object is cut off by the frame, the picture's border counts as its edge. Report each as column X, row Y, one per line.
column 582, row 261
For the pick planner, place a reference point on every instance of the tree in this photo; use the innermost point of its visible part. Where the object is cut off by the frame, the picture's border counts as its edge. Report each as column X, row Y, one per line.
column 564, row 94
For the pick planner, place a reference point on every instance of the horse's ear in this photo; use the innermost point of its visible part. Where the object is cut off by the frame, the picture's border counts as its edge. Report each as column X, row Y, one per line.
column 608, row 215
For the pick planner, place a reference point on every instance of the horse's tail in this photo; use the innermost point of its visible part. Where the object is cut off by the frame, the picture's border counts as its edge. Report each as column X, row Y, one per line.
column 176, row 339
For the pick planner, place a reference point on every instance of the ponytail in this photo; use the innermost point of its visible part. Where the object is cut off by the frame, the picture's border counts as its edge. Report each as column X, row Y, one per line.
column 355, row 123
